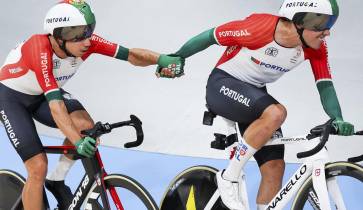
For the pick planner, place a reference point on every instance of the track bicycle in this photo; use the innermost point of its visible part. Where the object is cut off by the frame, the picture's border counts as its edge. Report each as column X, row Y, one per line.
column 309, row 187
column 97, row 189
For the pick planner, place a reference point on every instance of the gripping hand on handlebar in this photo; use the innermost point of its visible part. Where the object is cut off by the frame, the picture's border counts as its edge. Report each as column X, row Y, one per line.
column 344, row 128
column 86, row 146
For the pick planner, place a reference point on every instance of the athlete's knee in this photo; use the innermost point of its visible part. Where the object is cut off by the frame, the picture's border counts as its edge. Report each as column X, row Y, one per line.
column 37, row 167
column 82, row 120
column 276, row 113
column 84, row 124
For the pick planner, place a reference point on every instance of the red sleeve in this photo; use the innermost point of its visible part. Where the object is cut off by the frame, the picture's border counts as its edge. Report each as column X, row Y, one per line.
column 37, row 52
column 101, row 46
column 253, row 32
column 319, row 62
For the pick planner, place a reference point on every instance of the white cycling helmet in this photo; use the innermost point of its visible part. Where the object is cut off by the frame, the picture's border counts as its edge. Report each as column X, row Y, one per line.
column 316, row 15
column 70, row 20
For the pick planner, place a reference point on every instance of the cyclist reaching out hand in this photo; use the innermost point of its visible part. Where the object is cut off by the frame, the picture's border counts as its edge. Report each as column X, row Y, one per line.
column 260, row 49
column 30, row 88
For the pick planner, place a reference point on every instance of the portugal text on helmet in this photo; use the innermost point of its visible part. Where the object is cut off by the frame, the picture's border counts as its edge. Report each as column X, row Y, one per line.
column 59, row 19
column 302, row 4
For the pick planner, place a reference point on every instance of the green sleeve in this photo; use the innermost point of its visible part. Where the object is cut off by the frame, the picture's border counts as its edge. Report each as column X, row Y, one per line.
column 122, row 53
column 329, row 99
column 54, row 95
column 197, row 44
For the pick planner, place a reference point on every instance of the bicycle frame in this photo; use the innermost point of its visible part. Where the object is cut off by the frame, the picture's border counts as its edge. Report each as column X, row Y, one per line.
column 313, row 165
column 94, row 173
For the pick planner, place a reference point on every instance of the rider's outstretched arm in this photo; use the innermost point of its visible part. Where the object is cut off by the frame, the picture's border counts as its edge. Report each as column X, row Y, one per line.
column 191, row 47
column 142, row 57
column 196, row 44
column 137, row 56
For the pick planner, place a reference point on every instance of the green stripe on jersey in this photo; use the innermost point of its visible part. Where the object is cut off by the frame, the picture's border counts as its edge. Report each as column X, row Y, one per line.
column 54, row 95
column 122, row 53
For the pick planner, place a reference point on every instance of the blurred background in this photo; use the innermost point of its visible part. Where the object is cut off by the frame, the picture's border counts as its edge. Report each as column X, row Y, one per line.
column 172, row 110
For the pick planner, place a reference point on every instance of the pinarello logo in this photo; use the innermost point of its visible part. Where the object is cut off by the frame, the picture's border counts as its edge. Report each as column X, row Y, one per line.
column 269, row 66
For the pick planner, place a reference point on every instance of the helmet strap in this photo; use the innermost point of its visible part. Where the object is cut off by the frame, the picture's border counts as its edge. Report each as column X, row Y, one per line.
column 300, row 31
column 62, row 45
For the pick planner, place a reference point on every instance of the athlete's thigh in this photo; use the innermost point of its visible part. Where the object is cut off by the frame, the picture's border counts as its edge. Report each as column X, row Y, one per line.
column 234, row 99
column 20, row 129
column 43, row 115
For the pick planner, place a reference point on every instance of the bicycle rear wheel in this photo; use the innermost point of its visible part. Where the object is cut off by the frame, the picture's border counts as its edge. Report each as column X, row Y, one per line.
column 350, row 180
column 191, row 190
column 131, row 194
column 11, row 187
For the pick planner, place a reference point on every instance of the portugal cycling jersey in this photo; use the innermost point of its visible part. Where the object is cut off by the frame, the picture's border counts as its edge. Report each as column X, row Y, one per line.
column 254, row 56
column 34, row 69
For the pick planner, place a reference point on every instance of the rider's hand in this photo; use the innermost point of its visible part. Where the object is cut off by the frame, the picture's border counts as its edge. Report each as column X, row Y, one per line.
column 344, row 128
column 170, row 66
column 86, row 146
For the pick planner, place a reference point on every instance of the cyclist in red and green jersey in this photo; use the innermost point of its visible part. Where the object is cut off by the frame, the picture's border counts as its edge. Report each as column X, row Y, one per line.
column 31, row 81
column 260, row 49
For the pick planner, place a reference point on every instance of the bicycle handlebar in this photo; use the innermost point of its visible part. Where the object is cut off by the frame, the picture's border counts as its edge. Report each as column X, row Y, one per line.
column 324, row 131
column 99, row 129
column 321, row 130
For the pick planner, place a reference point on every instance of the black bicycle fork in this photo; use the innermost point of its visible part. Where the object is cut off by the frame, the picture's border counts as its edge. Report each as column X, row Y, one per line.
column 94, row 174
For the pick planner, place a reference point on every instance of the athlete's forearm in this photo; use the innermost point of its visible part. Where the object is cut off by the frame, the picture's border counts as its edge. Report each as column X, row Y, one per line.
column 329, row 99
column 142, row 57
column 197, row 44
column 63, row 120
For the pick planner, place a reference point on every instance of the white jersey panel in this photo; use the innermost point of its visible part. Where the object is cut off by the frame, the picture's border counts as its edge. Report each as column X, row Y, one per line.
column 21, row 84
column 263, row 65
column 14, row 55
column 64, row 69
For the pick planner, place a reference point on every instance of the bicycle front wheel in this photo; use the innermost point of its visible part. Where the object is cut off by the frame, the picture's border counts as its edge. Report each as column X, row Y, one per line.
column 11, row 187
column 347, row 193
column 128, row 191
column 192, row 188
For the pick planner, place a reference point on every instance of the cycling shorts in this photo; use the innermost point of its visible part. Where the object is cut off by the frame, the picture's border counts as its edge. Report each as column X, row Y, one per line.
column 243, row 103
column 17, row 112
